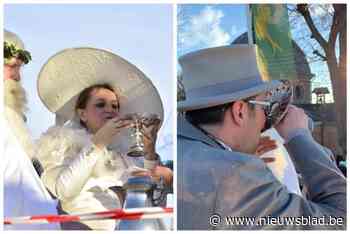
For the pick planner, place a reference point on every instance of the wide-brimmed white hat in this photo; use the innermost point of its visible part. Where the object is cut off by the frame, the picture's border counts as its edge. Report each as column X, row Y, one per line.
column 220, row 75
column 66, row 74
column 13, row 39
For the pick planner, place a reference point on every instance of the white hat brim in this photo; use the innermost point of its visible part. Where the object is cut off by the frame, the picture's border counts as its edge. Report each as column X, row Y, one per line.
column 68, row 72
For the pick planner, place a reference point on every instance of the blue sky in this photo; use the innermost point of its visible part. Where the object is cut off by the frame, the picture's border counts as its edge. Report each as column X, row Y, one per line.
column 142, row 34
column 210, row 25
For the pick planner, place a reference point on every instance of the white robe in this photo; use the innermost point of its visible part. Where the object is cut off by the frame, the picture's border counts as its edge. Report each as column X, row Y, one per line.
column 24, row 193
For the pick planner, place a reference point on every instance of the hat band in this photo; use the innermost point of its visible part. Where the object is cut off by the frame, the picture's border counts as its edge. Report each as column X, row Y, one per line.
column 229, row 87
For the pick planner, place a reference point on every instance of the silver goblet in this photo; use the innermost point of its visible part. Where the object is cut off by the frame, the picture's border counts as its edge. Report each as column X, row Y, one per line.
column 137, row 134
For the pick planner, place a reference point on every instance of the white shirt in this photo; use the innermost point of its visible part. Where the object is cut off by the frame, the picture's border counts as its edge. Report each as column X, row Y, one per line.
column 283, row 167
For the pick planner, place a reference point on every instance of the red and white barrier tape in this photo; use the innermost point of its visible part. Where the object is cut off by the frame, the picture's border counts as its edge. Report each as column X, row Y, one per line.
column 127, row 214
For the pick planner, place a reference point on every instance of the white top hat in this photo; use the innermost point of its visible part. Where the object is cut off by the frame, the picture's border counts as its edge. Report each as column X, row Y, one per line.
column 12, row 38
column 220, row 75
column 66, row 74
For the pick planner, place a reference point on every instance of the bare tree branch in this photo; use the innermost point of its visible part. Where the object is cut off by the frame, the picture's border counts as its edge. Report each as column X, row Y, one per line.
column 304, row 11
column 316, row 52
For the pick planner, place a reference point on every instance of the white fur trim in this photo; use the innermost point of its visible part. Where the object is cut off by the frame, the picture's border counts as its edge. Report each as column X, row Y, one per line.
column 58, row 144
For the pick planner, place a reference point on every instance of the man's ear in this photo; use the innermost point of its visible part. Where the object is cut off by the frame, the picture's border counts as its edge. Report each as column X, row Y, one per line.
column 237, row 112
column 82, row 115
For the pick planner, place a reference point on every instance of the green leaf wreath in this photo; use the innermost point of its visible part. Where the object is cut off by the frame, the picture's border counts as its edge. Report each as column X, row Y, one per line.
column 11, row 51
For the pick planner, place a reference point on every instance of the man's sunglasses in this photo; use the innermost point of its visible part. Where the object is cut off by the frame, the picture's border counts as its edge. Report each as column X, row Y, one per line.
column 276, row 106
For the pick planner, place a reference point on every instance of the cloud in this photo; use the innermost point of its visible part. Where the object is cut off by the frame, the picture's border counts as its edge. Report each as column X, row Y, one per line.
column 204, row 30
column 235, row 32
column 321, row 10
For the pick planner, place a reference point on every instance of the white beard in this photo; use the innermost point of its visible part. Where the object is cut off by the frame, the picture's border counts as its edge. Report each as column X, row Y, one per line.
column 15, row 96
column 15, row 108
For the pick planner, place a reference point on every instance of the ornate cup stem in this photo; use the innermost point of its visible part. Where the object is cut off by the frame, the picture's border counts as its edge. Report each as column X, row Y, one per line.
column 136, row 148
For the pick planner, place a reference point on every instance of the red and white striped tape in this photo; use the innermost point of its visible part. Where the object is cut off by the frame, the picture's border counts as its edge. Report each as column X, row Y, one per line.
column 127, row 214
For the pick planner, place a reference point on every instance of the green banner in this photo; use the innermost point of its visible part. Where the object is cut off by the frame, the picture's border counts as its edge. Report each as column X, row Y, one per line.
column 274, row 43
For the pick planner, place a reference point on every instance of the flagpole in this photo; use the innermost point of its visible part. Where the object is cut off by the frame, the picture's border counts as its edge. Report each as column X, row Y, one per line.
column 249, row 25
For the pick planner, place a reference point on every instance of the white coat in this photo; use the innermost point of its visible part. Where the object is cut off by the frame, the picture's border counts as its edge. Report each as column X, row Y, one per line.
column 80, row 175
